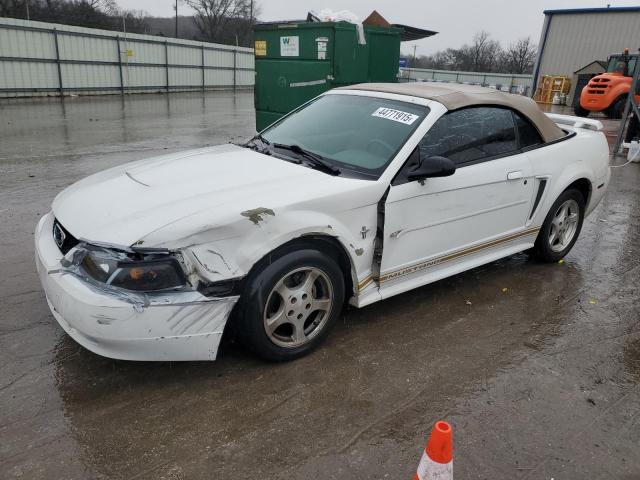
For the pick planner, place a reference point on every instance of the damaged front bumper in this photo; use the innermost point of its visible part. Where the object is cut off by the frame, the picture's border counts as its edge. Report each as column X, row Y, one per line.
column 115, row 323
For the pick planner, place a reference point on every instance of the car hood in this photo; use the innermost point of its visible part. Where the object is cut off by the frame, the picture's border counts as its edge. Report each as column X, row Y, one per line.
column 121, row 205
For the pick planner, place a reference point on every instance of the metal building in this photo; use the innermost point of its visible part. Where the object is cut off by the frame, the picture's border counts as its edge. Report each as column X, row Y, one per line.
column 573, row 38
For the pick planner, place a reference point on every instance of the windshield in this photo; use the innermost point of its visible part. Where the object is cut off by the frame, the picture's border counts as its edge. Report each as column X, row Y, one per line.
column 621, row 64
column 351, row 132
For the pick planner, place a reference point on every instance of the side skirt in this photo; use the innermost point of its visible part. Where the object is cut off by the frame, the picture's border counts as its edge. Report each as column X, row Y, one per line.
column 436, row 268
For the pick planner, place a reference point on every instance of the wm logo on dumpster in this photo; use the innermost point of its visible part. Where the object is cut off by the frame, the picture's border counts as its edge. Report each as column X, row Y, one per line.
column 289, row 47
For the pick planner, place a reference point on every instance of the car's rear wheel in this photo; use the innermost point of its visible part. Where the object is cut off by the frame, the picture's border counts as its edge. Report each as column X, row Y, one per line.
column 289, row 305
column 561, row 227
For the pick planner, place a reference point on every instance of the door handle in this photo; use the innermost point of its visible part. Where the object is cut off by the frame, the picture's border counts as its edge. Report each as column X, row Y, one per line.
column 517, row 175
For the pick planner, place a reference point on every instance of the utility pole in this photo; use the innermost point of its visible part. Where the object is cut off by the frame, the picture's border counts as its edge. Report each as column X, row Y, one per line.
column 176, row 7
column 252, row 22
column 26, row 4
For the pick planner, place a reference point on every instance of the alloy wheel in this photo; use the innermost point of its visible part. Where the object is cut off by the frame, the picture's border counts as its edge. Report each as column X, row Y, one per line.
column 298, row 307
column 564, row 225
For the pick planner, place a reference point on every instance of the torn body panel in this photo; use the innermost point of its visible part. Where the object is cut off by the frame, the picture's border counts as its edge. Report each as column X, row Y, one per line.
column 257, row 215
column 234, row 257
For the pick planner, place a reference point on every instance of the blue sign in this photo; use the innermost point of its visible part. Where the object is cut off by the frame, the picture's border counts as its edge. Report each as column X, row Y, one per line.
column 403, row 63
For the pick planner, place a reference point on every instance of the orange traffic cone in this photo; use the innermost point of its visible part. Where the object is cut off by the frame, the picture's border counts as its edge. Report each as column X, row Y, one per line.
column 437, row 459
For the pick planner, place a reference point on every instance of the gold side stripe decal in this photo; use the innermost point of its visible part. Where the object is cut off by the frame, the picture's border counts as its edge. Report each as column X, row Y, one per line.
column 366, row 281
column 446, row 258
column 455, row 255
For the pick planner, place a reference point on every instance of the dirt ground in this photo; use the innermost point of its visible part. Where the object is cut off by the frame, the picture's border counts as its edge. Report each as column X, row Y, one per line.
column 537, row 367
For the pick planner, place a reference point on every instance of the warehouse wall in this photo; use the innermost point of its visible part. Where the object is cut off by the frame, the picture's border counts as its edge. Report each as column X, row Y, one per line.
column 577, row 39
column 38, row 58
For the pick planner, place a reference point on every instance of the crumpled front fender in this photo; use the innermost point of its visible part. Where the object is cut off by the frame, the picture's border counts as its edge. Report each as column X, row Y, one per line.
column 229, row 251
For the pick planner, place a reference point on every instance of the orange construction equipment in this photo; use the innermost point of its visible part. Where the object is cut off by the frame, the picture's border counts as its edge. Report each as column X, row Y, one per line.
column 608, row 91
column 437, row 458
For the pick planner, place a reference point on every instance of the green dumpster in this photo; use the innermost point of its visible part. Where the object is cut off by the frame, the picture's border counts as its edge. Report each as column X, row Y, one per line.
column 295, row 62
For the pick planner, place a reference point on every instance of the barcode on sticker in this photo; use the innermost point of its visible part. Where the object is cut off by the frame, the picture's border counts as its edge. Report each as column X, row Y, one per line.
column 395, row 115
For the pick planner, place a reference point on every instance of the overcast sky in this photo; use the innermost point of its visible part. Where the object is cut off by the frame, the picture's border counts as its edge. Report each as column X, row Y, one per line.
column 455, row 20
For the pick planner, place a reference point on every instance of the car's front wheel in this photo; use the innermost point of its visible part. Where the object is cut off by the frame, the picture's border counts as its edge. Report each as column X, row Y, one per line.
column 561, row 227
column 616, row 109
column 580, row 111
column 289, row 305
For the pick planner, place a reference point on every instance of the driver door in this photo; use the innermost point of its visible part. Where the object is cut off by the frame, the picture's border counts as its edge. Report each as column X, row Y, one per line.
column 441, row 226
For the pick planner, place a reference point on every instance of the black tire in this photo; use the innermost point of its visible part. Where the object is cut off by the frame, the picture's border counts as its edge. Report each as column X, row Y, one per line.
column 580, row 111
column 616, row 109
column 543, row 248
column 258, row 291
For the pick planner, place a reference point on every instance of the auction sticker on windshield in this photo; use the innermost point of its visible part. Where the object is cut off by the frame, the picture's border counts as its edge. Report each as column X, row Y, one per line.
column 395, row 115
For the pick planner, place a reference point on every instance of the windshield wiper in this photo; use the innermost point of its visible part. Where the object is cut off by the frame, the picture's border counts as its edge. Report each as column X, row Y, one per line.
column 314, row 159
column 262, row 148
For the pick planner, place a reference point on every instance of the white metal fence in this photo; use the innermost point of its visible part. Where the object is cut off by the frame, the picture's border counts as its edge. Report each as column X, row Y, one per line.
column 39, row 58
column 502, row 81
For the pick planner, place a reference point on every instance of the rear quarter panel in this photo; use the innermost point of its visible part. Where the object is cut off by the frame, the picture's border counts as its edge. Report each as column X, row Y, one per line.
column 584, row 154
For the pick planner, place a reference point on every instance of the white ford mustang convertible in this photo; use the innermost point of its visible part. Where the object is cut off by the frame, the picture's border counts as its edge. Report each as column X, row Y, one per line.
column 363, row 193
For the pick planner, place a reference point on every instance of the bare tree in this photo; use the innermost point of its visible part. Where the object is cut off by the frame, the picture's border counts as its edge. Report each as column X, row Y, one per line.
column 135, row 20
column 110, row 7
column 9, row 8
column 483, row 56
column 441, row 60
column 84, row 13
column 483, row 53
column 520, row 56
column 212, row 16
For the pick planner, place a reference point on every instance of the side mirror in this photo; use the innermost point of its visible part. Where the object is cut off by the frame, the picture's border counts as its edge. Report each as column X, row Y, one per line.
column 432, row 167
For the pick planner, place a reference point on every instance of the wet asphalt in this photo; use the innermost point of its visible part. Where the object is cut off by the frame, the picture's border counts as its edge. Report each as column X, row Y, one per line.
column 536, row 366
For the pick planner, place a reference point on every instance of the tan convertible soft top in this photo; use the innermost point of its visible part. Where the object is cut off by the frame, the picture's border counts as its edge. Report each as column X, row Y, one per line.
column 454, row 96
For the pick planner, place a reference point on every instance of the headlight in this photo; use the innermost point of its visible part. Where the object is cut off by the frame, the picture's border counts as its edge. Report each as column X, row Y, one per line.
column 117, row 269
